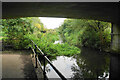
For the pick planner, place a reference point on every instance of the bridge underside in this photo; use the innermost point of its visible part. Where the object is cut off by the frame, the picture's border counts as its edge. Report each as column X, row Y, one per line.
column 104, row 11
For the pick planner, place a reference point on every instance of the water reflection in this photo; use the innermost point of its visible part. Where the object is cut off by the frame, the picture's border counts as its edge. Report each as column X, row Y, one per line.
column 63, row 64
column 92, row 64
column 88, row 64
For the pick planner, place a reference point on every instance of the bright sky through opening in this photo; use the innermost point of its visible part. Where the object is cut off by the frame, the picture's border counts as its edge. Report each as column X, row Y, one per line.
column 51, row 23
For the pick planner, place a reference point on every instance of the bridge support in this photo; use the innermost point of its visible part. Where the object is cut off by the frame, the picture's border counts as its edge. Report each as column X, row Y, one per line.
column 115, row 67
column 115, row 38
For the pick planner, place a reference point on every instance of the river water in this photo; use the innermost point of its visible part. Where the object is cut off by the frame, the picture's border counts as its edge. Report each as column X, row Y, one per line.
column 89, row 63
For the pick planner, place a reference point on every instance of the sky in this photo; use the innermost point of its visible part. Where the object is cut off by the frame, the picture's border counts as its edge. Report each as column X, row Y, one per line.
column 51, row 23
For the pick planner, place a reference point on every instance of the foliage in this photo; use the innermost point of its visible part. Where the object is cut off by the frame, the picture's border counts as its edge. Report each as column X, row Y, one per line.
column 18, row 32
column 90, row 33
column 15, row 31
column 46, row 44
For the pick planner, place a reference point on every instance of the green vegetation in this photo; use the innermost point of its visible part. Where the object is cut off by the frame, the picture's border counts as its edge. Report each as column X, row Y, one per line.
column 18, row 32
column 45, row 42
column 89, row 33
column 74, row 33
column 0, row 33
column 14, row 31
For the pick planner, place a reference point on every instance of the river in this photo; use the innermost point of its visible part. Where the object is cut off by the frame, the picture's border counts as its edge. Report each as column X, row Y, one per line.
column 89, row 63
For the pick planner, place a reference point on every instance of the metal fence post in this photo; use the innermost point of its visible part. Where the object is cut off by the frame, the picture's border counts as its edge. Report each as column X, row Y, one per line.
column 44, row 59
column 36, row 66
column 44, row 73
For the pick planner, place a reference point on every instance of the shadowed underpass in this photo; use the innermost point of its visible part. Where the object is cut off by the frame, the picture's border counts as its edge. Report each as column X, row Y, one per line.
column 17, row 64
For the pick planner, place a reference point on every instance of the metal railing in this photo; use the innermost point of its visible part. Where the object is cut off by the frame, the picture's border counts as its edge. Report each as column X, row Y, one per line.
column 44, row 58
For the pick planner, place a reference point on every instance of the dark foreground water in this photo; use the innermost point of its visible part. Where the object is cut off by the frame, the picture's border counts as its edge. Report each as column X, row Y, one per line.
column 89, row 63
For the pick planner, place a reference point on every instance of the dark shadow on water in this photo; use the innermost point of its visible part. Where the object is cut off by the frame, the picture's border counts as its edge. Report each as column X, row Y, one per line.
column 92, row 64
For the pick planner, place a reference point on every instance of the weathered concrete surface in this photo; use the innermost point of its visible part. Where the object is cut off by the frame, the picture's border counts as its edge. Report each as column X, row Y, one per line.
column 0, row 65
column 116, row 38
column 105, row 11
column 0, row 59
column 38, row 70
column 17, row 65
column 115, row 67
column 60, row 1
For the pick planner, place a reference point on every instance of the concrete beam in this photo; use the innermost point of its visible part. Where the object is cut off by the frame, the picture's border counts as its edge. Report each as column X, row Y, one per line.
column 116, row 38
column 60, row 0
column 104, row 11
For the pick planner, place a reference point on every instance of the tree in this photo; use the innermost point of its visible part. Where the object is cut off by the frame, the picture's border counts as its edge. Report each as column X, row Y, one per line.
column 90, row 33
column 16, row 31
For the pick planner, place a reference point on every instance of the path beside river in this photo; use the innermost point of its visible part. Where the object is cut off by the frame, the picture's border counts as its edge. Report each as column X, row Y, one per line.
column 17, row 65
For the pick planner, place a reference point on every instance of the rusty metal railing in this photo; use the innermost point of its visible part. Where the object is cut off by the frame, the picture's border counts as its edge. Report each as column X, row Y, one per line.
column 37, row 61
